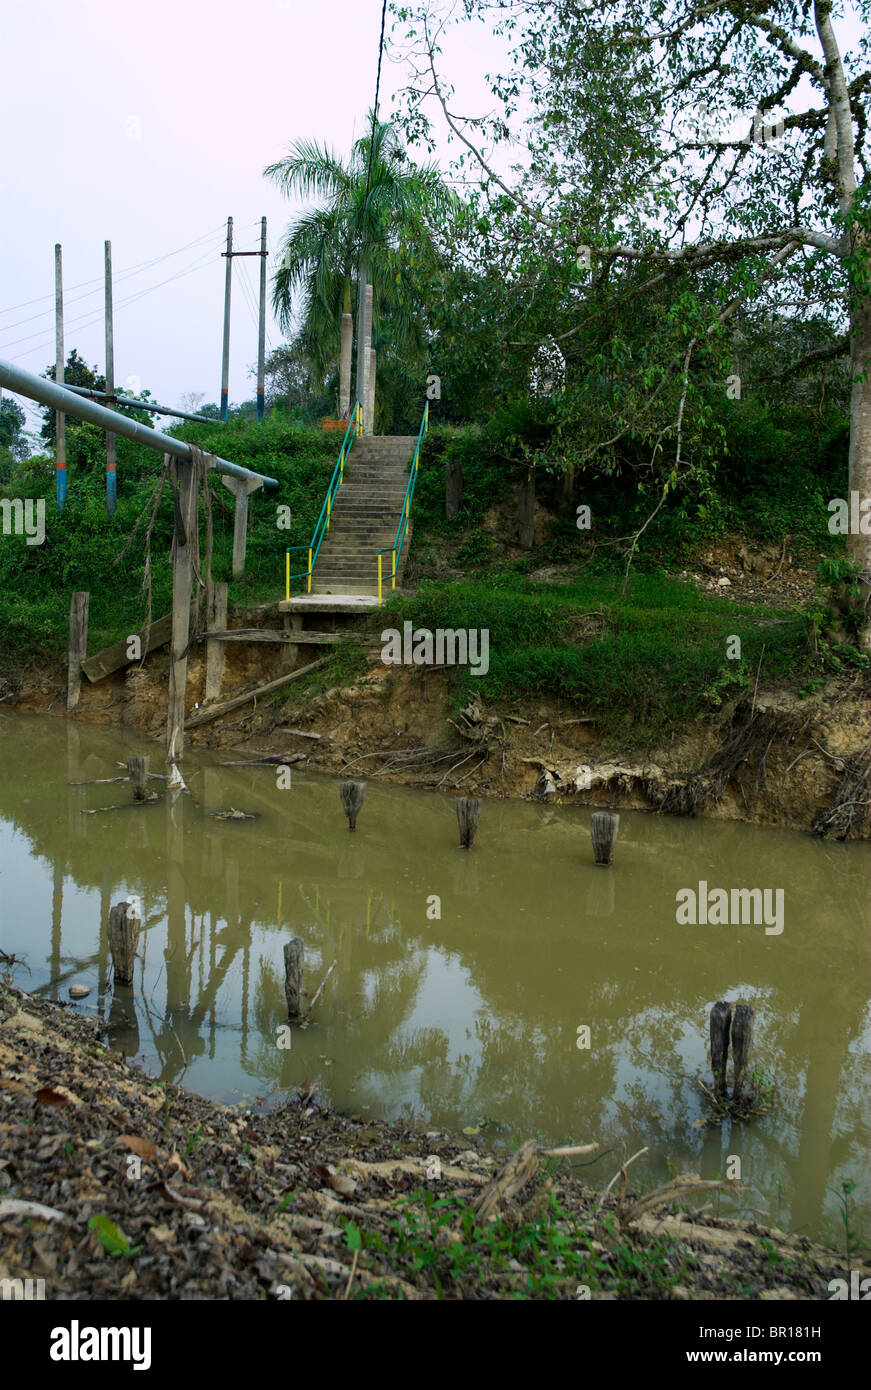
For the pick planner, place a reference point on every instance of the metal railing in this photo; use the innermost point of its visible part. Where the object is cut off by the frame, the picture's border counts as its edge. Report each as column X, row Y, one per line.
column 355, row 428
column 68, row 402
column 395, row 549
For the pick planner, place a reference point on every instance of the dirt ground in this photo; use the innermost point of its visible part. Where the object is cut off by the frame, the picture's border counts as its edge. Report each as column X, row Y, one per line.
column 145, row 1191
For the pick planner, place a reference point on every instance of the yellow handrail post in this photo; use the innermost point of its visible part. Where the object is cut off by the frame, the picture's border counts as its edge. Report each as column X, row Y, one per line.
column 379, row 576
column 329, row 505
column 309, row 569
column 287, row 575
column 393, row 576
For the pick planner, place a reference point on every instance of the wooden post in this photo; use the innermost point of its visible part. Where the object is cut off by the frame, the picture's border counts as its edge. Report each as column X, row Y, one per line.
column 526, row 510
column 78, row 649
column 453, row 488
column 721, row 1017
column 111, row 485
column 216, row 620
column 290, row 650
column 137, row 771
column 352, row 794
column 468, row 817
column 742, row 1033
column 60, row 420
column 293, row 964
column 123, row 933
column 603, row 832
column 240, row 487
column 181, row 608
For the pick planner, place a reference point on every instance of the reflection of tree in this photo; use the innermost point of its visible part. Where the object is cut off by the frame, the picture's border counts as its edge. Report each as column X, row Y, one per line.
column 539, row 939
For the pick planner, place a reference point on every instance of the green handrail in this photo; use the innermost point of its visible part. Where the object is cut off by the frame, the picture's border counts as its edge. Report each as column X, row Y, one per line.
column 402, row 528
column 322, row 526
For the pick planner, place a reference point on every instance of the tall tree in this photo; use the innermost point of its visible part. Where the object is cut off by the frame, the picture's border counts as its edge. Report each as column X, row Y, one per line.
column 351, row 237
column 727, row 139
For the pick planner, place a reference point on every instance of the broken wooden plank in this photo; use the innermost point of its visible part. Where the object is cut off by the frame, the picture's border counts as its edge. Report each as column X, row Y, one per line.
column 113, row 658
column 268, row 634
column 205, row 715
column 300, row 733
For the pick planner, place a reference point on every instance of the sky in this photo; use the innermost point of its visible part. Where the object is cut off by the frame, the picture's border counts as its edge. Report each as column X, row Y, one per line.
column 149, row 126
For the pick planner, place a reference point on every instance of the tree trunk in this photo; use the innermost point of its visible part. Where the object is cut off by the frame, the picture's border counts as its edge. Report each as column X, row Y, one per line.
column 858, row 545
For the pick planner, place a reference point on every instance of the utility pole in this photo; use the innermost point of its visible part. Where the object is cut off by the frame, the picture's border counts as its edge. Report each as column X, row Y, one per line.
column 261, row 332
column 261, row 336
column 111, row 477
column 60, row 431
column 225, row 367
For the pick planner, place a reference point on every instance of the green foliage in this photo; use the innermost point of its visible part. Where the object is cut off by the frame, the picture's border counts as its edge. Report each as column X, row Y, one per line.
column 83, row 549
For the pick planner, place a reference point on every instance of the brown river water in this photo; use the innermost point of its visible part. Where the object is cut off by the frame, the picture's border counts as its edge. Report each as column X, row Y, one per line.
column 462, row 977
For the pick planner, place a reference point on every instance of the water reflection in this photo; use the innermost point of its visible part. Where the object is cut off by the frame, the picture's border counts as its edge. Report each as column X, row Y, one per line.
column 472, row 1017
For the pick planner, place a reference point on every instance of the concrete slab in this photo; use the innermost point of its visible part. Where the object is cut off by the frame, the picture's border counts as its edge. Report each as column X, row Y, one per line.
column 328, row 603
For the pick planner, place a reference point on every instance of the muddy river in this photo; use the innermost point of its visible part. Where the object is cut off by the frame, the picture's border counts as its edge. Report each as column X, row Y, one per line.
column 465, row 980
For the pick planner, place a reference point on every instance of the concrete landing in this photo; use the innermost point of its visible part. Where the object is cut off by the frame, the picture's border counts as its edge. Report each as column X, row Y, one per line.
column 328, row 603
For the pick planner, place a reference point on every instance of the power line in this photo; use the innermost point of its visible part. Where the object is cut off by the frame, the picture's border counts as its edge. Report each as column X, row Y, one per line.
column 375, row 107
column 88, row 320
column 98, row 279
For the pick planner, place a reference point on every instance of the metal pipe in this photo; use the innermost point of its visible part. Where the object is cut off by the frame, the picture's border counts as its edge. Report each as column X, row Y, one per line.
column 61, row 398
column 141, row 405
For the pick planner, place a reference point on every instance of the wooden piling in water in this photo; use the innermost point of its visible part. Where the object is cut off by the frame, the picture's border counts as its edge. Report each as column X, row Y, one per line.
column 742, row 1034
column 137, row 771
column 352, row 794
column 293, row 964
column 721, row 1018
column 603, row 833
column 468, row 818
column 78, row 648
column 123, row 934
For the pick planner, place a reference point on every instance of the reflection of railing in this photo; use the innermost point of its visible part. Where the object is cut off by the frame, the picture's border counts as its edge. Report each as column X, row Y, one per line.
column 399, row 539
column 355, row 428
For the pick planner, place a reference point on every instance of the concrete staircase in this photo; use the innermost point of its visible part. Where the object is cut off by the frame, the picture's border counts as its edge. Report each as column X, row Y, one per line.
column 365, row 516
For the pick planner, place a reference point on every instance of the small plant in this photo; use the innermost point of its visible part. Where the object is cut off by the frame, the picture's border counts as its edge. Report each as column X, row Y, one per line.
column 844, row 1196
column 112, row 1238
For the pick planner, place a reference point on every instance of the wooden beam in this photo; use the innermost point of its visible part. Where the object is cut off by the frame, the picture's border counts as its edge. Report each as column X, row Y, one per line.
column 113, row 658
column 206, row 715
column 264, row 634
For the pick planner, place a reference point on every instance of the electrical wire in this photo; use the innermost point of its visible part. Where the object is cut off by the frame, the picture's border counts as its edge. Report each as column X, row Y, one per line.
column 375, row 107
column 98, row 279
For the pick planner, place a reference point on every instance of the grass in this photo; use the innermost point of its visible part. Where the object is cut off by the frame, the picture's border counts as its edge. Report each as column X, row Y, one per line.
column 649, row 659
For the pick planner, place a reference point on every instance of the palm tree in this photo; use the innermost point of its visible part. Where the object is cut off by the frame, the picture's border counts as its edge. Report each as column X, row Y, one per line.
column 377, row 238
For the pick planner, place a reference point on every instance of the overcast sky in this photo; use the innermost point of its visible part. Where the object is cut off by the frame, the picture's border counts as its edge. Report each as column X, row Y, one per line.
column 149, row 125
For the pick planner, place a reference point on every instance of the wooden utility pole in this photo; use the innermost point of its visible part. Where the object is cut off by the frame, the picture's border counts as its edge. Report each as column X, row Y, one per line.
column 225, row 364
column 261, row 331
column 111, row 485
column 60, row 420
column 182, row 554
